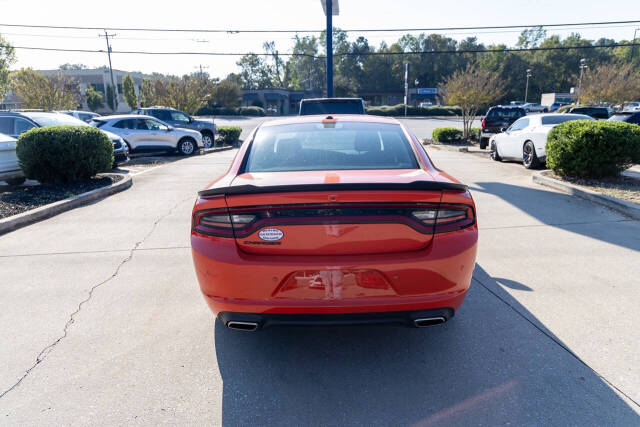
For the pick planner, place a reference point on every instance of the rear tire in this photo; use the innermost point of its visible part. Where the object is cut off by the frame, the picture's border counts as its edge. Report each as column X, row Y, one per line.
column 483, row 143
column 207, row 139
column 530, row 159
column 494, row 153
column 187, row 146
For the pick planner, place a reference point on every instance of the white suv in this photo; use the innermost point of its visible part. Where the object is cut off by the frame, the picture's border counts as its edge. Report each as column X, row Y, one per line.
column 147, row 134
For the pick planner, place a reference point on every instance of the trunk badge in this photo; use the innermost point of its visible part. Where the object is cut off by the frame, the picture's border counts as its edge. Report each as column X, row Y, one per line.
column 271, row 234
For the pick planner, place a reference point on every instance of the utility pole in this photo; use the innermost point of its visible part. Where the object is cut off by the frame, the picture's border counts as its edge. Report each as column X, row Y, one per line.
column 583, row 65
column 331, row 8
column 526, row 89
column 633, row 48
column 113, row 84
column 201, row 67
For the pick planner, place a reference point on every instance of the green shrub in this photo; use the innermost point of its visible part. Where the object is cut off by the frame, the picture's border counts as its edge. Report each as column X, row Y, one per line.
column 228, row 111
column 447, row 134
column 251, row 111
column 229, row 135
column 61, row 154
column 475, row 134
column 592, row 149
column 398, row 110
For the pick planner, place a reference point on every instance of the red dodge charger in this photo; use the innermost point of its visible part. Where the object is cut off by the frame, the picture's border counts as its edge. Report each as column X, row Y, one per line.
column 327, row 220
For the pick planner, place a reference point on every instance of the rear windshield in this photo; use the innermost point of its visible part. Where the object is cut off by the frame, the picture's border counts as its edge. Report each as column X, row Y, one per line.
column 330, row 146
column 511, row 113
column 561, row 118
column 331, row 107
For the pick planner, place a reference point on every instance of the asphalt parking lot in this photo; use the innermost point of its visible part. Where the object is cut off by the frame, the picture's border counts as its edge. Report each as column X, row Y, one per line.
column 103, row 322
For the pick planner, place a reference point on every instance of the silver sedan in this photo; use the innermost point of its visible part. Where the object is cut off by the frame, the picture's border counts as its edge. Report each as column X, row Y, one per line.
column 148, row 134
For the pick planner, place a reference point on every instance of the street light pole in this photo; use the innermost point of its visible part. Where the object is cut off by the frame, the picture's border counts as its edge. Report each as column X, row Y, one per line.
column 633, row 48
column 330, row 7
column 329, row 49
column 526, row 89
column 583, row 65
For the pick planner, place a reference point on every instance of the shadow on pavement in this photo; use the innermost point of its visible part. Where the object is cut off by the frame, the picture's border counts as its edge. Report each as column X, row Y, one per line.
column 488, row 365
column 563, row 211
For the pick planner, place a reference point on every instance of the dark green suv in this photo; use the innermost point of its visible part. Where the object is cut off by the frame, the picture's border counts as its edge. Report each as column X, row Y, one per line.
column 179, row 119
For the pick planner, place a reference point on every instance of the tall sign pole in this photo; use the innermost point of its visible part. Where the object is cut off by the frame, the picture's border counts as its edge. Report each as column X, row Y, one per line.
column 406, row 87
column 329, row 12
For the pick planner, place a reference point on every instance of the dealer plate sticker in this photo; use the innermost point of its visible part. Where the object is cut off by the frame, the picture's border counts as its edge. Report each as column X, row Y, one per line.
column 271, row 234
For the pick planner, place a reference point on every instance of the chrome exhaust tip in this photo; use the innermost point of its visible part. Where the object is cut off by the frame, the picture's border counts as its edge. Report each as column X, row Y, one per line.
column 429, row 321
column 242, row 326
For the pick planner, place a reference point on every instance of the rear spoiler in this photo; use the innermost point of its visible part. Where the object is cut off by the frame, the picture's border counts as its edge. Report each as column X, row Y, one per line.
column 253, row 189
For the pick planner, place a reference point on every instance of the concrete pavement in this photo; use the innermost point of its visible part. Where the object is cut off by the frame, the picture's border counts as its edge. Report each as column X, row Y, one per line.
column 103, row 323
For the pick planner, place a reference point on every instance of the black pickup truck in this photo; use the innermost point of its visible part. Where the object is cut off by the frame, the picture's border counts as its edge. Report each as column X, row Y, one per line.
column 498, row 118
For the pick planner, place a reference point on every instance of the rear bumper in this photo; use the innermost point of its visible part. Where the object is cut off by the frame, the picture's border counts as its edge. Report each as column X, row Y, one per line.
column 434, row 278
column 418, row 318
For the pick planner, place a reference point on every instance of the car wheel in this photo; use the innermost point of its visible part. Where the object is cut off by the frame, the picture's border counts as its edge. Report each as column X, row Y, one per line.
column 16, row 181
column 187, row 146
column 483, row 143
column 529, row 156
column 494, row 153
column 207, row 139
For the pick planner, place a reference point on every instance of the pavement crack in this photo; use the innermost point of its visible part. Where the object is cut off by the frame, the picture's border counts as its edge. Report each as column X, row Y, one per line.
column 49, row 348
column 555, row 340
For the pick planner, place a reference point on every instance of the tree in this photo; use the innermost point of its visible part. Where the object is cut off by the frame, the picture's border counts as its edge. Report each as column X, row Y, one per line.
column 182, row 93
column 147, row 93
column 129, row 91
column 227, row 93
column 94, row 98
column 612, row 82
column 471, row 89
column 68, row 67
column 7, row 58
column 255, row 73
column 110, row 98
column 56, row 92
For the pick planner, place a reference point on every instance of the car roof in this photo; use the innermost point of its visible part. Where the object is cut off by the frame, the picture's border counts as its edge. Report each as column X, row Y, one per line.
column 318, row 118
column 329, row 99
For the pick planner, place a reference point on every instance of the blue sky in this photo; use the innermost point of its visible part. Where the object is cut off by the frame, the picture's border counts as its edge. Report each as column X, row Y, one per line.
column 272, row 14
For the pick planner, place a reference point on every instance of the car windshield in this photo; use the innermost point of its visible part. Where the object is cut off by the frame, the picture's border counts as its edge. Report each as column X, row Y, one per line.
column 53, row 119
column 561, row 118
column 330, row 146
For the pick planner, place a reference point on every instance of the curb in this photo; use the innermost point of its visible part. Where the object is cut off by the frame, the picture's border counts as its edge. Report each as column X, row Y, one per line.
column 464, row 149
column 52, row 209
column 628, row 209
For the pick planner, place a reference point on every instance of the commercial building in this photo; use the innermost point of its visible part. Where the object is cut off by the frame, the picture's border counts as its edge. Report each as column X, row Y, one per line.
column 276, row 102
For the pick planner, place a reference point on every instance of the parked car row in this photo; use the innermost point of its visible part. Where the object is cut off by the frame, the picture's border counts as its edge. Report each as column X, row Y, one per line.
column 144, row 130
column 15, row 123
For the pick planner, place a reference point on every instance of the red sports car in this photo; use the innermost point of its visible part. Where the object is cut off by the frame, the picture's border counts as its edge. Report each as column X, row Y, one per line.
column 325, row 220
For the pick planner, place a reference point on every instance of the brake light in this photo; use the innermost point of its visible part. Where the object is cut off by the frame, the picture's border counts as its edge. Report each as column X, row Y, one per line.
column 483, row 124
column 447, row 217
column 218, row 222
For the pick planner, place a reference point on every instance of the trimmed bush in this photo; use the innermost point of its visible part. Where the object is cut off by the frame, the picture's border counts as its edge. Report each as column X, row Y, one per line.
column 447, row 134
column 592, row 149
column 62, row 154
column 228, row 111
column 229, row 135
column 398, row 110
column 475, row 134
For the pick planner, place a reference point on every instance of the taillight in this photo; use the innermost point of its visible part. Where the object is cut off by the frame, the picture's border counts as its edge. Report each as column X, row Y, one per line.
column 483, row 124
column 447, row 217
column 218, row 222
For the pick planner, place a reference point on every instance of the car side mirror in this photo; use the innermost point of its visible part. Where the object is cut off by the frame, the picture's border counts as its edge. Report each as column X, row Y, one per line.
column 169, row 128
column 503, row 129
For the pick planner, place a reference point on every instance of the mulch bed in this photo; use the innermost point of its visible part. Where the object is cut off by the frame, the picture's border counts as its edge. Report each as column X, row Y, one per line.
column 620, row 187
column 15, row 200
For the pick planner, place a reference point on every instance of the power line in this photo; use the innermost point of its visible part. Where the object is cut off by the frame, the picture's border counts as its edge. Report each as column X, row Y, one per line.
column 142, row 52
column 358, row 30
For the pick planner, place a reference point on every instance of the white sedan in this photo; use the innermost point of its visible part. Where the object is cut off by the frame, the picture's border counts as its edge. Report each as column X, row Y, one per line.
column 9, row 168
column 526, row 138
